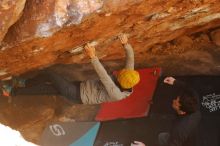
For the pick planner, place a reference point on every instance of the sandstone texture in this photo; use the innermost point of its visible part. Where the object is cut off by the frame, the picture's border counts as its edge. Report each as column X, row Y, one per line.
column 10, row 12
column 215, row 35
column 48, row 32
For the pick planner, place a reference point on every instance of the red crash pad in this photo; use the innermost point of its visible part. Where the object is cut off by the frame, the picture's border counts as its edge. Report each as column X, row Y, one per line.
column 137, row 104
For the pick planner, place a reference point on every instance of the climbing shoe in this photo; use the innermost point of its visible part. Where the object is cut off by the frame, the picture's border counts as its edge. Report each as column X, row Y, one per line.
column 6, row 90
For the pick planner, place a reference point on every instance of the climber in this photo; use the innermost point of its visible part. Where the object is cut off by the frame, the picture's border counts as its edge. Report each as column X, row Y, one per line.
column 106, row 88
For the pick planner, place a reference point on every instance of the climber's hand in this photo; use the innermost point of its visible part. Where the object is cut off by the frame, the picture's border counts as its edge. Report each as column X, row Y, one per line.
column 123, row 38
column 90, row 50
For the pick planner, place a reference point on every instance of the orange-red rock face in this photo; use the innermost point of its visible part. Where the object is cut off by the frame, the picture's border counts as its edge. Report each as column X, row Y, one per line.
column 10, row 11
column 216, row 37
column 49, row 29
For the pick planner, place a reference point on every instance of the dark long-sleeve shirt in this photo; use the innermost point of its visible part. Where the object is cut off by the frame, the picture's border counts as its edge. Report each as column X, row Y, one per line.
column 185, row 126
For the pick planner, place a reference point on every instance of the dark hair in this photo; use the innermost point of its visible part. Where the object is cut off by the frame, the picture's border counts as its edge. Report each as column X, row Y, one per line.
column 188, row 101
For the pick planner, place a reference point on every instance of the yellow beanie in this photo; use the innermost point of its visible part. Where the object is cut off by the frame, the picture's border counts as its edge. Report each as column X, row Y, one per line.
column 128, row 78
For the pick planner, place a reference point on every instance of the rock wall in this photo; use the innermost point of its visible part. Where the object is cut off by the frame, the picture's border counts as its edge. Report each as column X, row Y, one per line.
column 49, row 31
column 10, row 12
